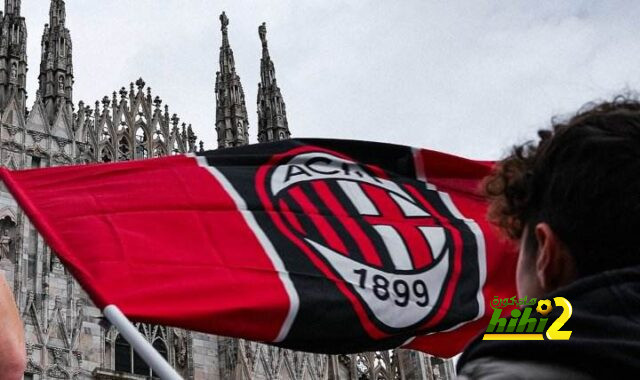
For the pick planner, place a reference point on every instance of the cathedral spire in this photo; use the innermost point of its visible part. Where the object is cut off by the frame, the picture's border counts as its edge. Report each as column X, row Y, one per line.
column 56, row 65
column 272, row 114
column 57, row 13
column 232, row 123
column 13, row 55
column 224, row 23
column 12, row 7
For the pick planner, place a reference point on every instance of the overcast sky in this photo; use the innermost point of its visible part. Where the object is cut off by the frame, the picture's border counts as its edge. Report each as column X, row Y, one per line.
column 466, row 77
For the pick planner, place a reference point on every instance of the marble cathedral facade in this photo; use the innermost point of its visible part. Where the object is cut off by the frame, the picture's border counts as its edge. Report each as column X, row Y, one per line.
column 67, row 338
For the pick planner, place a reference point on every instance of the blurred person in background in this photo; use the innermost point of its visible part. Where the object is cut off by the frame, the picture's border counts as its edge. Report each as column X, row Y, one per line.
column 12, row 348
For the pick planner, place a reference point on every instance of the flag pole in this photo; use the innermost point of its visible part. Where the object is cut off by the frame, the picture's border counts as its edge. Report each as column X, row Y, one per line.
column 142, row 346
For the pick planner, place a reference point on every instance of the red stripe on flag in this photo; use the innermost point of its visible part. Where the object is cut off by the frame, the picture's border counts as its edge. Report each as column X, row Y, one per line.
column 362, row 240
column 327, row 232
column 160, row 253
column 291, row 217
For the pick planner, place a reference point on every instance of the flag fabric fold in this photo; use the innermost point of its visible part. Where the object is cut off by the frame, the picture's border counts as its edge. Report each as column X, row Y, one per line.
column 330, row 246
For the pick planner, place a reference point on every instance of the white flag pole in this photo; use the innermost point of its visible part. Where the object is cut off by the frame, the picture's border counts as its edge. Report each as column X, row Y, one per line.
column 142, row 346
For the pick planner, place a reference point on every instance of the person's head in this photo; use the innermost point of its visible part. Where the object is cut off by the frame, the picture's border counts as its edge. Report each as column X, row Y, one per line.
column 572, row 198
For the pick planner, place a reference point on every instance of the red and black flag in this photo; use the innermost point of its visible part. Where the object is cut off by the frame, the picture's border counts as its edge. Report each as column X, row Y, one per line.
column 318, row 245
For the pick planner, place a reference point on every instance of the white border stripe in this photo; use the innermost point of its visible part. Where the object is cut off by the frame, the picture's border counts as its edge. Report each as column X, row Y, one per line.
column 473, row 226
column 482, row 255
column 294, row 300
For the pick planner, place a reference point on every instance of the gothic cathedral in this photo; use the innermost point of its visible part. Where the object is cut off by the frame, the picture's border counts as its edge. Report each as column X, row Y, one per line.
column 67, row 338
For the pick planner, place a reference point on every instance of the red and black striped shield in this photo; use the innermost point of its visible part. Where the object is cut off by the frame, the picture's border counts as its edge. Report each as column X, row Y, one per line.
column 393, row 247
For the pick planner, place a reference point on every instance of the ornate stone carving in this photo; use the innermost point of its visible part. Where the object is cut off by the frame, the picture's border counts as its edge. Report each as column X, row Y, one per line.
column 180, row 347
column 56, row 265
column 61, row 142
column 11, row 130
column 32, row 367
column 5, row 240
column 57, row 372
column 78, row 356
column 60, row 363
column 37, row 136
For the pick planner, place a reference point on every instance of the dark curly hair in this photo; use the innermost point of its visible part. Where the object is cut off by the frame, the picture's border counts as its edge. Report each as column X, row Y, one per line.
column 582, row 177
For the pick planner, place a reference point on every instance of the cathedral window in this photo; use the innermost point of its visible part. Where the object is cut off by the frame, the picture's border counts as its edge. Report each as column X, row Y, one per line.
column 123, row 358
column 141, row 144
column 127, row 359
column 123, row 149
column 140, row 367
column 161, row 347
column 281, row 135
column 62, row 46
column 269, row 135
column 105, row 156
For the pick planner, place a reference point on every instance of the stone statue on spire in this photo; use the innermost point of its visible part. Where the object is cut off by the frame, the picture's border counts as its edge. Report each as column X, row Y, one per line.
column 272, row 114
column 232, row 122
column 224, row 21
column 262, row 31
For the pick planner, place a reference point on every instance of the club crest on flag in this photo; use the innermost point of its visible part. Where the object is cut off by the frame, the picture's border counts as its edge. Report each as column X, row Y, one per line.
column 391, row 249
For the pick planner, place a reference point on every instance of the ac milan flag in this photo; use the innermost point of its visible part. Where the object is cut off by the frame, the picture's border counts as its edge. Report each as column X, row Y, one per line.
column 318, row 245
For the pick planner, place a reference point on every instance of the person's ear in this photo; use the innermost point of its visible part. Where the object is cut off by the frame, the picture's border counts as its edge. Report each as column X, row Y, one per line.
column 554, row 264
